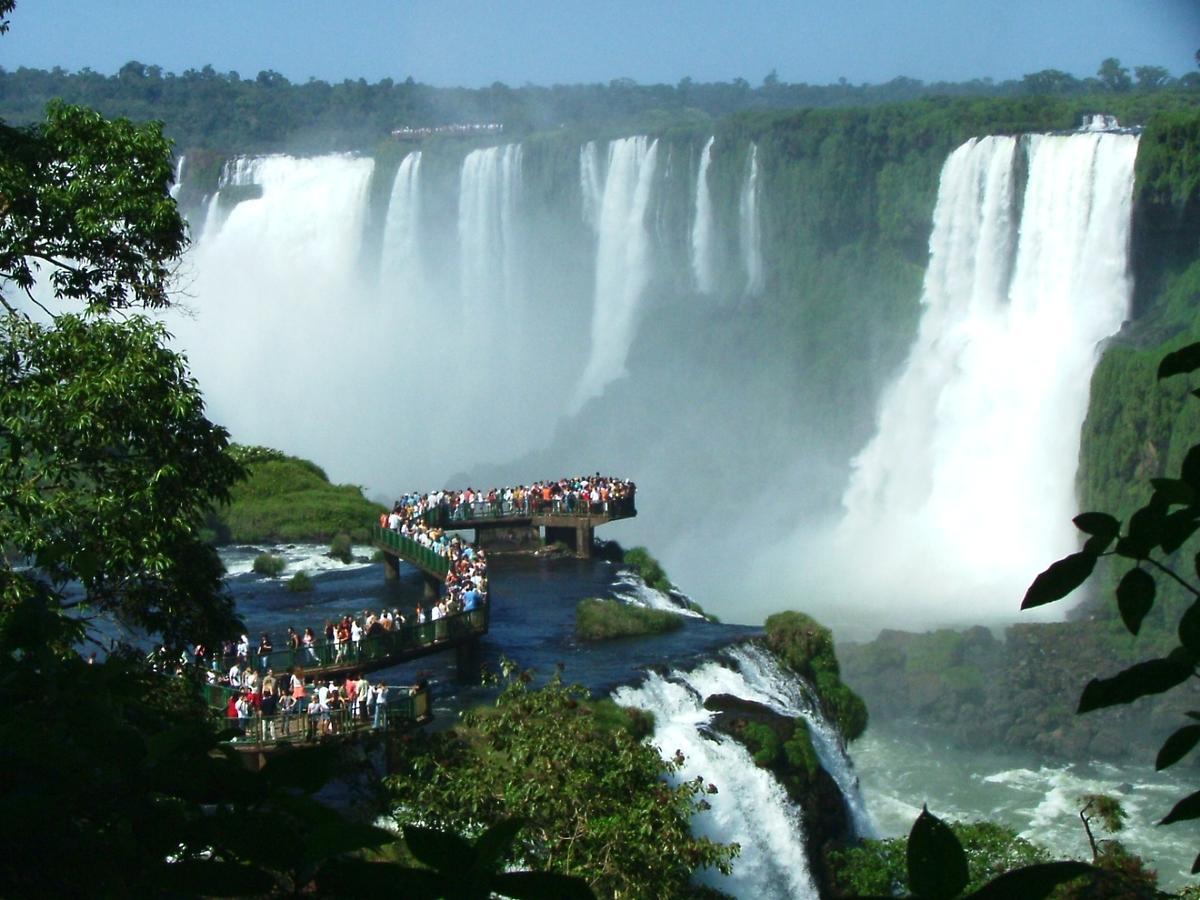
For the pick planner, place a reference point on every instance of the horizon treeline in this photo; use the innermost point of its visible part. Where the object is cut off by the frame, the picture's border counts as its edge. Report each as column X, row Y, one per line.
column 207, row 108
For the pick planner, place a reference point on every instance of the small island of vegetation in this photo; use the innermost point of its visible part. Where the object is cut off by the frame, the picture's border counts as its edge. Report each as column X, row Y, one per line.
column 599, row 619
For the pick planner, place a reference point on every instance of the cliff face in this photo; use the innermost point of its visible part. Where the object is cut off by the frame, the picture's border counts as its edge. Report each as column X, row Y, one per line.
column 1020, row 692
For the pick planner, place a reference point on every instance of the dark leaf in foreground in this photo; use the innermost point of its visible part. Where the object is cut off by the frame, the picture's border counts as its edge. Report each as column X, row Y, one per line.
column 1181, row 361
column 937, row 866
column 1135, row 597
column 1177, row 746
column 1151, row 677
column 1031, row 882
column 1059, row 580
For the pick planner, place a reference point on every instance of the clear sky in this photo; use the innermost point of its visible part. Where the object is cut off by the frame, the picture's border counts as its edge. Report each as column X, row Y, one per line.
column 476, row 42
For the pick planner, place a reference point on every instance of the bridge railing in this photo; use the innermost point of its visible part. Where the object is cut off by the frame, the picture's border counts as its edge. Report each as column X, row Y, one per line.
column 409, row 549
column 444, row 516
column 403, row 705
column 370, row 649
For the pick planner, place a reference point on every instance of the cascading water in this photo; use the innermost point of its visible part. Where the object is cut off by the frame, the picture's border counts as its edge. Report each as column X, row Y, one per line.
column 489, row 191
column 623, row 260
column 178, row 182
column 749, row 233
column 749, row 807
column 967, row 489
column 402, row 268
column 703, row 265
column 268, row 275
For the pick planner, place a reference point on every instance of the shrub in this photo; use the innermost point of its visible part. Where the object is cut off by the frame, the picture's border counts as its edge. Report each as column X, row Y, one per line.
column 806, row 647
column 598, row 620
column 301, row 582
column 269, row 564
column 342, row 548
column 651, row 572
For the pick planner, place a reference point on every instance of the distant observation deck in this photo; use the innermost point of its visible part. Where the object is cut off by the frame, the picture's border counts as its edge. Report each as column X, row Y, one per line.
column 464, row 129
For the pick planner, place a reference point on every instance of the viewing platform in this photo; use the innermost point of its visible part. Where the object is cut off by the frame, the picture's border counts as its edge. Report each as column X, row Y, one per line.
column 257, row 737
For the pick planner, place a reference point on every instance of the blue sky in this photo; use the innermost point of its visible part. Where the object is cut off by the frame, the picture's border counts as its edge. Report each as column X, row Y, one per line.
column 476, row 42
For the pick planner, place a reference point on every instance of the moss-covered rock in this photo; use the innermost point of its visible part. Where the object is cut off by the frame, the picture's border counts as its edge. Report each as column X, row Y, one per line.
column 806, row 647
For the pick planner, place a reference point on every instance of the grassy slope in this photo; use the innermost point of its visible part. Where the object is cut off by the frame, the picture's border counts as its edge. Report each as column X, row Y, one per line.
column 289, row 499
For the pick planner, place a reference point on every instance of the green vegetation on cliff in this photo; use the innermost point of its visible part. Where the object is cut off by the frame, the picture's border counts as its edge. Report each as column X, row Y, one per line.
column 284, row 498
column 806, row 647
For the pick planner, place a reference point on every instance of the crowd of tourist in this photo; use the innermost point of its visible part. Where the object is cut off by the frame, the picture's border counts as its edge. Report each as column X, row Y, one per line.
column 292, row 704
column 579, row 495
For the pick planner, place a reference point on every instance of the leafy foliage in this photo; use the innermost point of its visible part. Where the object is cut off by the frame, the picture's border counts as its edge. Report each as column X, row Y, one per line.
column 941, row 861
column 598, row 801
column 600, row 620
column 1152, row 540
column 300, row 583
column 107, row 242
column 649, row 568
column 269, row 564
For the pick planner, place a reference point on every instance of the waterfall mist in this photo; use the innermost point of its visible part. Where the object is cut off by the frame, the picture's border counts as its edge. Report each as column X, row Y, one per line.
column 506, row 313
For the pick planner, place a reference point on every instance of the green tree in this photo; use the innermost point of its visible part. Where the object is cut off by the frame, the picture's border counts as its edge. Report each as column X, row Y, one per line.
column 1114, row 76
column 1151, row 78
column 593, row 793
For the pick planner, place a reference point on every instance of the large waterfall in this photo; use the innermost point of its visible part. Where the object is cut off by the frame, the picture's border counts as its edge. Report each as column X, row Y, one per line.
column 623, row 258
column 751, row 240
column 403, row 259
column 492, row 294
column 967, row 488
column 702, row 228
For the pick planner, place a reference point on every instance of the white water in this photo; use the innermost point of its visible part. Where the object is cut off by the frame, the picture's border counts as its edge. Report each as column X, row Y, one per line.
column 703, row 265
column 750, row 230
column 632, row 588
column 901, row 769
column 488, row 198
column 749, row 808
column 966, row 490
column 623, row 261
column 178, row 182
column 275, row 301
column 402, row 268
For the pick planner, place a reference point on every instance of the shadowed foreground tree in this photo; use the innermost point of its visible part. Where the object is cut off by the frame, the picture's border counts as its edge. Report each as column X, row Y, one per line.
column 112, row 778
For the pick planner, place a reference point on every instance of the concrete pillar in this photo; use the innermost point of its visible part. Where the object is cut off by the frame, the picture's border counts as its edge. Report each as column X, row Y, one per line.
column 466, row 658
column 583, row 541
column 391, row 566
column 432, row 586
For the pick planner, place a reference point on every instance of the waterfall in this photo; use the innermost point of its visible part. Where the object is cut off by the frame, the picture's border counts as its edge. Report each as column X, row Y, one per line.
column 591, row 187
column 177, row 183
column 273, row 283
column 967, row 488
column 623, row 260
column 763, row 680
column 702, row 227
column 750, row 232
column 750, row 807
column 489, row 191
column 402, row 269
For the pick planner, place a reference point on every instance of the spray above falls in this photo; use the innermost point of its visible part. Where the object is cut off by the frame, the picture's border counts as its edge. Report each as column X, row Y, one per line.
column 966, row 490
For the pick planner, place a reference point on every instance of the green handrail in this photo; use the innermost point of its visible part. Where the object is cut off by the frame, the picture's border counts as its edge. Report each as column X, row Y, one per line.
column 371, row 648
column 412, row 551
